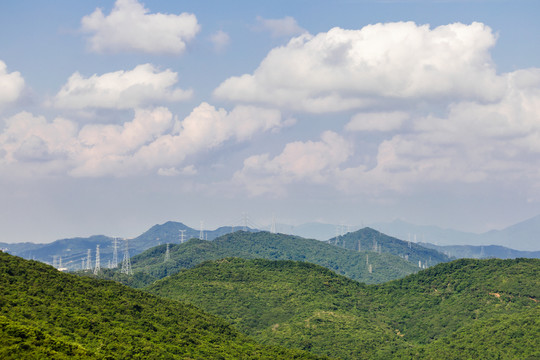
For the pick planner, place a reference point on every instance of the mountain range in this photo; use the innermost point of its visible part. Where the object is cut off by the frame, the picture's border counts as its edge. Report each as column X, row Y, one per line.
column 524, row 236
column 366, row 265
column 519, row 240
column 73, row 251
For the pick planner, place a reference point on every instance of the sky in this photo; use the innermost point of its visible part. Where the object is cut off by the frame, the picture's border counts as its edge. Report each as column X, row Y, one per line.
column 118, row 115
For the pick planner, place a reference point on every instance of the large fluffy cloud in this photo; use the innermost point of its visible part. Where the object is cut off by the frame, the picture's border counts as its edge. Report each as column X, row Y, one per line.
column 346, row 69
column 496, row 144
column 311, row 161
column 152, row 141
column 141, row 86
column 130, row 27
column 11, row 85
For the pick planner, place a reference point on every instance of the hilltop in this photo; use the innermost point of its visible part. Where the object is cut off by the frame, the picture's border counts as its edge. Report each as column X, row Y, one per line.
column 370, row 239
column 48, row 314
column 150, row 265
column 73, row 251
column 465, row 308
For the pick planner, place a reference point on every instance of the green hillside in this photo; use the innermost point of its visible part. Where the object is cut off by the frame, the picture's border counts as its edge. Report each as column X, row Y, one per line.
column 440, row 300
column 48, row 314
column 150, row 265
column 294, row 304
column 449, row 308
column 373, row 240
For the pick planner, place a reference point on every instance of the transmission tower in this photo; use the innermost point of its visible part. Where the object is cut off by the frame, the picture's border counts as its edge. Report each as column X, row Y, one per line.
column 245, row 221
column 182, row 236
column 201, row 234
column 98, row 262
column 54, row 262
column 126, row 263
column 167, row 254
column 89, row 260
column 60, row 262
column 273, row 226
column 115, row 253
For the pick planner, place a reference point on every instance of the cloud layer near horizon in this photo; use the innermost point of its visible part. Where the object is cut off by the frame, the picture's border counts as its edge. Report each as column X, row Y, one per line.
column 152, row 141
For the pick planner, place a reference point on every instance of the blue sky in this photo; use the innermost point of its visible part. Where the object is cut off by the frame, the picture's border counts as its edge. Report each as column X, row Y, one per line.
column 115, row 116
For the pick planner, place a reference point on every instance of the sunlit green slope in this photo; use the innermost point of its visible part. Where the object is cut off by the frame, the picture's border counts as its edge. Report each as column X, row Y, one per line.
column 447, row 308
column 48, row 314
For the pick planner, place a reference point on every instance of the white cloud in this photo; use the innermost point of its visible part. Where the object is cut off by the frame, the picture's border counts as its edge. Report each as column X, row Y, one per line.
column 130, row 27
column 380, row 121
column 311, row 161
column 474, row 143
column 347, row 69
column 207, row 128
column 495, row 144
column 221, row 40
column 172, row 171
column 142, row 86
column 11, row 85
column 151, row 141
column 284, row 27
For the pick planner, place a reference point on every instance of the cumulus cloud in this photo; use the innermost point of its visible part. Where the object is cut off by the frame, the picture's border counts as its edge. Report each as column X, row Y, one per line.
column 347, row 69
column 312, row 161
column 130, row 27
column 472, row 142
column 284, row 27
column 141, row 86
column 152, row 141
column 221, row 40
column 379, row 121
column 11, row 85
column 207, row 128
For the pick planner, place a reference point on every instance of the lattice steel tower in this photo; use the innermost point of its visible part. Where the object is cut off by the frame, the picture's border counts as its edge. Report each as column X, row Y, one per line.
column 126, row 263
column 98, row 261
column 115, row 253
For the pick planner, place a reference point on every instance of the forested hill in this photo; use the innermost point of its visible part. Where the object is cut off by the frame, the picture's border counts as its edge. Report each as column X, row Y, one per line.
column 481, row 309
column 48, row 314
column 370, row 239
column 150, row 265
column 73, row 251
column 291, row 303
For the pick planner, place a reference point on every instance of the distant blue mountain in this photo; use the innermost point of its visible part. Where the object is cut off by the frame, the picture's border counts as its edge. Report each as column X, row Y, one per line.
column 72, row 251
column 482, row 252
column 524, row 236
